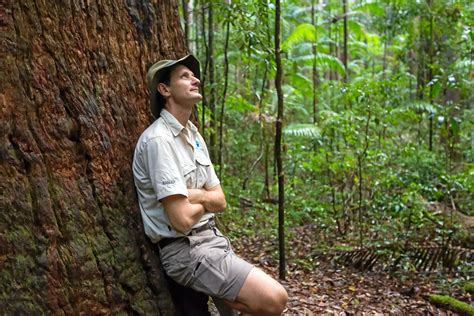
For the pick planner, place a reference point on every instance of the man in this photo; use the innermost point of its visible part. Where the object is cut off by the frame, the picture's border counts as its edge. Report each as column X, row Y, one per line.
column 179, row 195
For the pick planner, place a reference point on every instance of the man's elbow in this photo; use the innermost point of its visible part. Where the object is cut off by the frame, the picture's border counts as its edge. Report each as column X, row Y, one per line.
column 182, row 225
column 221, row 205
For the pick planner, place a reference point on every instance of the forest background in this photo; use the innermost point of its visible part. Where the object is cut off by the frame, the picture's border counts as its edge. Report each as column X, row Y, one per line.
column 377, row 123
column 377, row 126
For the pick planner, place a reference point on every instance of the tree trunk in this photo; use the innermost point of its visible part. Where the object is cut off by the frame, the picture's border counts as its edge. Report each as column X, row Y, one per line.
column 211, row 84
column 278, row 137
column 315, row 75
column 345, row 53
column 73, row 104
column 224, row 95
column 185, row 5
column 204, row 69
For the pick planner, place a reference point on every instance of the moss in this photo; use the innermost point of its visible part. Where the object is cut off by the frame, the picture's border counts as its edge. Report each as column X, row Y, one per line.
column 469, row 287
column 452, row 304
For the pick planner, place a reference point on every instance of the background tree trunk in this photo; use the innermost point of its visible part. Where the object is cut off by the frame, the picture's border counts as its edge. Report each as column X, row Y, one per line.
column 73, row 104
column 278, row 149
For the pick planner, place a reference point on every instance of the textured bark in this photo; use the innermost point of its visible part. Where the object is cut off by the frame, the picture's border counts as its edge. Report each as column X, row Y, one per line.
column 73, row 103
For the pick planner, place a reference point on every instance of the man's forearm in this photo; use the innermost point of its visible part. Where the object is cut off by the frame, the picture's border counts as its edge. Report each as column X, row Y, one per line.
column 182, row 213
column 212, row 200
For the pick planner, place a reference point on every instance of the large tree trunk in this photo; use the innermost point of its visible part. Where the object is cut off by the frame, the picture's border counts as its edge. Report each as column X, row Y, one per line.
column 73, row 103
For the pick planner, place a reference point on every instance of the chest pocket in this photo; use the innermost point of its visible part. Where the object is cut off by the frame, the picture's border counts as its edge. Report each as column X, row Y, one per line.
column 202, row 168
column 196, row 175
column 189, row 173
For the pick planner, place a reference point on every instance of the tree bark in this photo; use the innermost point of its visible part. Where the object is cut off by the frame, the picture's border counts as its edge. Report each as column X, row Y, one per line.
column 73, row 104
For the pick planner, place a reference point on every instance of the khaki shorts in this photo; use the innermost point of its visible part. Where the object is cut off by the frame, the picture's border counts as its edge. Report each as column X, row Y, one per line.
column 206, row 263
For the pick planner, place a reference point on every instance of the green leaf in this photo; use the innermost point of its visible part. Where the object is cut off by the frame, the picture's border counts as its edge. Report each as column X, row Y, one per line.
column 356, row 28
column 372, row 8
column 301, row 82
column 239, row 104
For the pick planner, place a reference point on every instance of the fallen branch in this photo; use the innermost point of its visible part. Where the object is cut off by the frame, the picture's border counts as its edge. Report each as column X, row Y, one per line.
column 451, row 304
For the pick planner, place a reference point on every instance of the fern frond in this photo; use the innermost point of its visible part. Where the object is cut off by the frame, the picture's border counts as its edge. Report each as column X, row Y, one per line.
column 302, row 130
column 422, row 106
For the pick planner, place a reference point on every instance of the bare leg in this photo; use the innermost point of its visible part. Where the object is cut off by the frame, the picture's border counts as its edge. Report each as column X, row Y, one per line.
column 260, row 295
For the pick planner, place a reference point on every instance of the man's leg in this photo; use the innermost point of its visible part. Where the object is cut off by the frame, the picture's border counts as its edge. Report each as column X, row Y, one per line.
column 187, row 301
column 223, row 308
column 260, row 295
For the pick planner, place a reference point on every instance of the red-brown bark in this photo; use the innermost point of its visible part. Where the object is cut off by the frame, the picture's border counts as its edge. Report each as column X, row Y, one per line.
column 73, row 103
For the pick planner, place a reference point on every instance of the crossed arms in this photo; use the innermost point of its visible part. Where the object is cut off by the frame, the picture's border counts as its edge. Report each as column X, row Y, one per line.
column 183, row 212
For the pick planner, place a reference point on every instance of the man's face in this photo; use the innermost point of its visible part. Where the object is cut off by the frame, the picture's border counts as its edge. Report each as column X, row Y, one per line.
column 184, row 87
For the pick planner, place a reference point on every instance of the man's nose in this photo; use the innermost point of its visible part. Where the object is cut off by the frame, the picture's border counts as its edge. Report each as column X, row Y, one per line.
column 196, row 81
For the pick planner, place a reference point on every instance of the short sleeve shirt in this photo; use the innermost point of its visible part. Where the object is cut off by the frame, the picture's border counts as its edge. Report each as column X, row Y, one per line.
column 169, row 159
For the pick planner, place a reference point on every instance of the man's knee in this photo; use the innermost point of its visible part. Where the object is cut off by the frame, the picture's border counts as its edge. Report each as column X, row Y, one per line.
column 273, row 302
column 277, row 301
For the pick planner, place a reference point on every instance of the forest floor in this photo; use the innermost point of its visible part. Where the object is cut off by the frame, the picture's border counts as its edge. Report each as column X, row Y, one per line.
column 332, row 290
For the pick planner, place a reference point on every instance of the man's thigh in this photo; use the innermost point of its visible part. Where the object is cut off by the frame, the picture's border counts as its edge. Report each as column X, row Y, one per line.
column 206, row 263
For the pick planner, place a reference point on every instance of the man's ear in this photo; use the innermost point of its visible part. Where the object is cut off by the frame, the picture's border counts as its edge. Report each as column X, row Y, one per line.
column 163, row 89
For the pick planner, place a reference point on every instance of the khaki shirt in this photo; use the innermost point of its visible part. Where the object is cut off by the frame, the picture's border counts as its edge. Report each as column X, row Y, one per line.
column 169, row 159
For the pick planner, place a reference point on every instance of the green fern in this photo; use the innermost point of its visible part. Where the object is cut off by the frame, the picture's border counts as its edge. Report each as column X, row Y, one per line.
column 302, row 130
column 421, row 106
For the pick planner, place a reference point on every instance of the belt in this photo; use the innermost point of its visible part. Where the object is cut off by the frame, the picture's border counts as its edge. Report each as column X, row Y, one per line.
column 208, row 225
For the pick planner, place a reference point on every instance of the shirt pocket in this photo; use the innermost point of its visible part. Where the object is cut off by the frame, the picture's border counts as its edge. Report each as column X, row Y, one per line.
column 189, row 174
column 202, row 169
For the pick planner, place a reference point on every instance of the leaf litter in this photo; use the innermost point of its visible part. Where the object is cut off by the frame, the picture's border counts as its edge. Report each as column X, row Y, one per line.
column 323, row 288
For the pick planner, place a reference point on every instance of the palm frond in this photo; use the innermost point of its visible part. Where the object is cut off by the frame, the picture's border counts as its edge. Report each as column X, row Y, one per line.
column 322, row 59
column 302, row 33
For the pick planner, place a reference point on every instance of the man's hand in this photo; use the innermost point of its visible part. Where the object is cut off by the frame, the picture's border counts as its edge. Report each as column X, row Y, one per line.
column 213, row 200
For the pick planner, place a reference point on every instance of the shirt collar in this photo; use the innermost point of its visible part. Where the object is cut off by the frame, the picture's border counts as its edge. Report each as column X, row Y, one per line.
column 175, row 125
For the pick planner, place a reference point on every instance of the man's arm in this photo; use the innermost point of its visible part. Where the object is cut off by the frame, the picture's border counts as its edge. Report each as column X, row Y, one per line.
column 181, row 212
column 212, row 199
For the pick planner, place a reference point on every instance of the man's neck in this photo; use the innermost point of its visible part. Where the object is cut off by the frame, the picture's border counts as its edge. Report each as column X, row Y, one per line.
column 181, row 113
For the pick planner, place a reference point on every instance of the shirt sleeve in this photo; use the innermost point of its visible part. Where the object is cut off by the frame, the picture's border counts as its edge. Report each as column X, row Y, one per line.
column 164, row 168
column 212, row 179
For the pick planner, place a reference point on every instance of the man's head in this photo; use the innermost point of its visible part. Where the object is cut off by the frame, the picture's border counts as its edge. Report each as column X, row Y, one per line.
column 160, row 72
